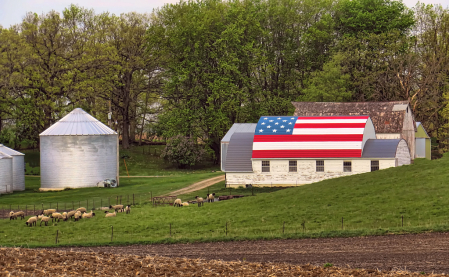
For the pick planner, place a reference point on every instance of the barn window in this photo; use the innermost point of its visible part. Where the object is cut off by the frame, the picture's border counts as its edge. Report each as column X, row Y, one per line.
column 265, row 166
column 374, row 165
column 292, row 166
column 347, row 166
column 320, row 166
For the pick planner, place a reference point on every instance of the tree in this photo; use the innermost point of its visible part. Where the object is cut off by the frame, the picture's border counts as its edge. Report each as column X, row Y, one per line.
column 183, row 152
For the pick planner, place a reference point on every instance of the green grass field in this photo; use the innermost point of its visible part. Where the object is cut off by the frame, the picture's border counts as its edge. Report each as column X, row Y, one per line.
column 370, row 204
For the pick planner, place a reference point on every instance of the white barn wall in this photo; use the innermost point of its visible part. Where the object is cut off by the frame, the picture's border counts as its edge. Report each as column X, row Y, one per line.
column 306, row 174
column 403, row 153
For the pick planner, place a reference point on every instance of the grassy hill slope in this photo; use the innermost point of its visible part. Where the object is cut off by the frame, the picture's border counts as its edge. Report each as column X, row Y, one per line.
column 370, row 203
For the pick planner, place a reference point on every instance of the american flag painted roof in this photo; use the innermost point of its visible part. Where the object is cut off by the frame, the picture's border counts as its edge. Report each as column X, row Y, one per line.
column 310, row 137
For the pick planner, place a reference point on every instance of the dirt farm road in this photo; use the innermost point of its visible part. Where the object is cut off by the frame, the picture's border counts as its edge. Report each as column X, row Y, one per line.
column 198, row 186
column 427, row 252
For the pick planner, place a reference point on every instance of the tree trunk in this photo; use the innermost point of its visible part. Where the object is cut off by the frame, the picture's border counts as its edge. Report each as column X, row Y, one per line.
column 144, row 114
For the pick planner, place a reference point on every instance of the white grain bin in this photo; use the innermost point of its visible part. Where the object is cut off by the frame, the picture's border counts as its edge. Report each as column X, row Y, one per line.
column 5, row 173
column 18, row 167
column 77, row 151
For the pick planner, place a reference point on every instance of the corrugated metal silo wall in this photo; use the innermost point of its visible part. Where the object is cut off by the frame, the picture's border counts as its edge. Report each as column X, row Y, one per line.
column 77, row 161
column 18, row 167
column 5, row 176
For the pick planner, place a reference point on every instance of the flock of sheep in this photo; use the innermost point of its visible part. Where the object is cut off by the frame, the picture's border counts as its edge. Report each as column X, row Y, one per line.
column 77, row 214
column 210, row 198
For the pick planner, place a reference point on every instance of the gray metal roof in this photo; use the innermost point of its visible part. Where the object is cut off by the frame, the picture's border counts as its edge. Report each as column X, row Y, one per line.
column 380, row 148
column 239, row 128
column 10, row 151
column 78, row 123
column 4, row 156
column 240, row 151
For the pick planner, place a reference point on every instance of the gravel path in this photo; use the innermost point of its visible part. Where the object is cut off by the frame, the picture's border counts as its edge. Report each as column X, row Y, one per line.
column 418, row 253
column 198, row 186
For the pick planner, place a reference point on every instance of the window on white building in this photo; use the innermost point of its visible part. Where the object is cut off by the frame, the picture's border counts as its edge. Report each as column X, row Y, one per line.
column 265, row 166
column 292, row 166
column 374, row 165
column 320, row 166
column 347, row 166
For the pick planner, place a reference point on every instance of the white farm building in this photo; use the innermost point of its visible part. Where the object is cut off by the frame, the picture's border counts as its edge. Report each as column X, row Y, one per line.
column 292, row 150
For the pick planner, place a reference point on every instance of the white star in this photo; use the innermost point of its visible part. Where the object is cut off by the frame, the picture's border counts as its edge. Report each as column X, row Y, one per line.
column 260, row 131
column 265, row 118
column 276, row 123
column 274, row 130
column 292, row 118
column 288, row 130
column 284, row 120
column 279, row 118
column 289, row 123
column 271, row 120
column 268, row 126
column 282, row 126
column 263, row 123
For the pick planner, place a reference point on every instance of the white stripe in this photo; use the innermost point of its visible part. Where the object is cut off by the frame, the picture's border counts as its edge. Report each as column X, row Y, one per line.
column 328, row 131
column 307, row 145
column 331, row 120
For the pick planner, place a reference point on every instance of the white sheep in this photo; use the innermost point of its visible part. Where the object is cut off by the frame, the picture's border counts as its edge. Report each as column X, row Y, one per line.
column 49, row 211
column 200, row 201
column 57, row 216
column 128, row 209
column 210, row 197
column 44, row 219
column 81, row 209
column 14, row 215
column 70, row 214
column 185, row 204
column 177, row 203
column 32, row 220
column 108, row 214
column 116, row 207
column 77, row 215
column 88, row 215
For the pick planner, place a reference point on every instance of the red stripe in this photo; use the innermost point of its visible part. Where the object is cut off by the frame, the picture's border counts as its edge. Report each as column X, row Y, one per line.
column 330, row 125
column 343, row 153
column 333, row 117
column 286, row 138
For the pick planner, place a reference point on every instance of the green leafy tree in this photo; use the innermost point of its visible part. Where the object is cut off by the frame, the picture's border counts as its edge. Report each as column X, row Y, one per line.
column 183, row 152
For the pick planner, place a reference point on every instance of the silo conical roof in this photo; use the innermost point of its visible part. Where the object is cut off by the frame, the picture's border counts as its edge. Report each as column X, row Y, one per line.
column 4, row 155
column 10, row 151
column 78, row 123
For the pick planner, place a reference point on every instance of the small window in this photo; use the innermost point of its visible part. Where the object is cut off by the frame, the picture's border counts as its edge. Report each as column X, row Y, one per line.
column 374, row 165
column 292, row 166
column 347, row 166
column 265, row 166
column 320, row 166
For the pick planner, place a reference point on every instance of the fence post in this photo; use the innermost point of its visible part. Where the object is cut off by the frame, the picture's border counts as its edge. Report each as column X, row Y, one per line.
column 402, row 220
column 283, row 228
column 112, row 232
column 133, row 198
column 57, row 233
column 170, row 229
column 116, row 200
column 226, row 228
column 342, row 223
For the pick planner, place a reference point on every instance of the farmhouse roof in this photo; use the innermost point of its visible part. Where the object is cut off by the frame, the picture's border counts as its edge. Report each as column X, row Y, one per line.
column 239, row 153
column 78, row 123
column 239, row 128
column 387, row 117
column 380, row 148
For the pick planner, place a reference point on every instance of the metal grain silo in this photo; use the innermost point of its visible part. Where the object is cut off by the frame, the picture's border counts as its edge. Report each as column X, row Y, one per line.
column 5, row 173
column 18, row 167
column 77, row 151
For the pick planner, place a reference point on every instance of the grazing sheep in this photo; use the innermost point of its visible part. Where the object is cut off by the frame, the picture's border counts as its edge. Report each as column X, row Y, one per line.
column 57, row 216
column 49, row 211
column 70, row 214
column 77, row 215
column 211, row 197
column 200, row 201
column 185, row 204
column 88, row 215
column 177, row 203
column 116, row 207
column 108, row 214
column 40, row 216
column 82, row 209
column 14, row 215
column 32, row 220
column 128, row 209
column 44, row 219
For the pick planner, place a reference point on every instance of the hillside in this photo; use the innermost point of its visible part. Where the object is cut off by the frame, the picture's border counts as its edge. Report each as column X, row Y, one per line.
column 370, row 203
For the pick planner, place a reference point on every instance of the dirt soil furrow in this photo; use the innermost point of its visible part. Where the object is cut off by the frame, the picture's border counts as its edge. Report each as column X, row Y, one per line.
column 427, row 252
column 197, row 186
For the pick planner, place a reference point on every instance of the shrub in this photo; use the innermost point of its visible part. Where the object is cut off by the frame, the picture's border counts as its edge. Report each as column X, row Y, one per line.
column 183, row 152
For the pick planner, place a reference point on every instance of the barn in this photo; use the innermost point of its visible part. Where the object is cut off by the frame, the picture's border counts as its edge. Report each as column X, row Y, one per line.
column 292, row 150
column 77, row 151
column 392, row 120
